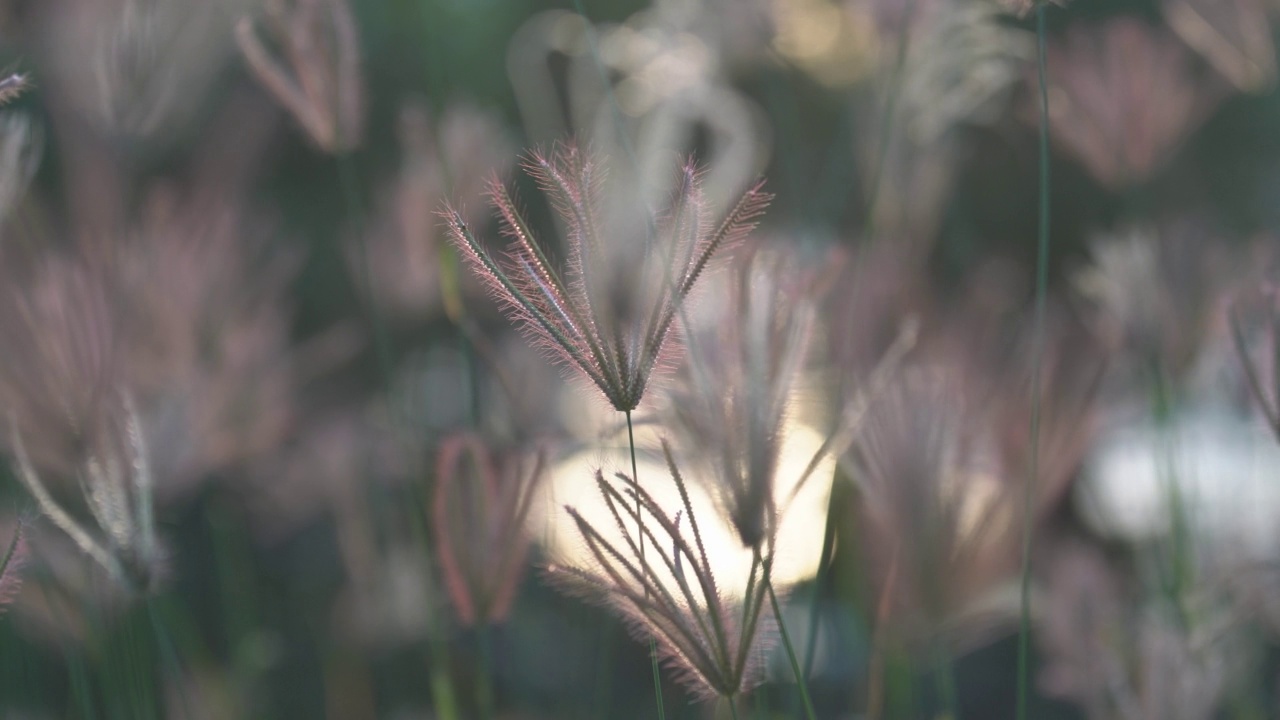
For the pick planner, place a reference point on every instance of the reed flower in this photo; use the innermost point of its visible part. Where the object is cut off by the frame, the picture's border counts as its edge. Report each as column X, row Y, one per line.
column 712, row 643
column 479, row 515
column 611, row 311
column 318, row 80
column 738, row 391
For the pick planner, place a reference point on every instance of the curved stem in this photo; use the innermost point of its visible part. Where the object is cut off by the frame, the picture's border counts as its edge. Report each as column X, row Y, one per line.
column 1042, row 278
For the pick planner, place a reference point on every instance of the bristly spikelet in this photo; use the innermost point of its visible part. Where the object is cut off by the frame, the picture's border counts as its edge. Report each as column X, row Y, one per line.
column 712, row 644
column 11, row 565
column 118, row 489
column 610, row 310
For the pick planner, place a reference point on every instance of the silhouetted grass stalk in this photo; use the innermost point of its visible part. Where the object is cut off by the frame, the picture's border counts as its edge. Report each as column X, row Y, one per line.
column 653, row 646
column 767, row 578
column 1042, row 280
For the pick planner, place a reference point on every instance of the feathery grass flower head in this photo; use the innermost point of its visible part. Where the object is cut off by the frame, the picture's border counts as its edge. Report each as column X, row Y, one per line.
column 54, row 384
column 318, row 80
column 937, row 515
column 737, row 392
column 713, row 644
column 611, row 310
column 479, row 508
column 136, row 68
column 117, row 487
column 1158, row 292
column 460, row 150
column 1119, row 655
column 1128, row 94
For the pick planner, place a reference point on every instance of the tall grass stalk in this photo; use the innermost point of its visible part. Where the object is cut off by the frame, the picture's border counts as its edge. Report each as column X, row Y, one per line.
column 868, row 229
column 733, row 707
column 1042, row 280
column 653, row 647
column 786, row 639
column 945, row 682
column 484, row 682
column 169, row 655
column 81, row 686
column 1176, row 575
column 444, row 700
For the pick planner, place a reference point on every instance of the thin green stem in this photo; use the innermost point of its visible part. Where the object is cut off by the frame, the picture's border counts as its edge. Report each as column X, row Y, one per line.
column 81, row 687
column 945, row 683
column 786, row 643
column 484, row 681
column 819, row 583
column 169, row 655
column 733, row 708
column 1177, row 574
column 1042, row 280
column 653, row 647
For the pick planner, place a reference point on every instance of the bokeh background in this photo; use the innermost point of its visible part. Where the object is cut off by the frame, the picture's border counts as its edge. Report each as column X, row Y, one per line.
column 220, row 219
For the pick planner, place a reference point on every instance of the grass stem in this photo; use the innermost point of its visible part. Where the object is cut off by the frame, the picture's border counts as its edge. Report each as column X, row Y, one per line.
column 786, row 643
column 653, row 648
column 733, row 707
column 169, row 655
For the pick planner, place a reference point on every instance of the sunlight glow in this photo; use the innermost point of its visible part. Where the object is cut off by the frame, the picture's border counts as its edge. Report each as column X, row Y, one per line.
column 572, row 482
